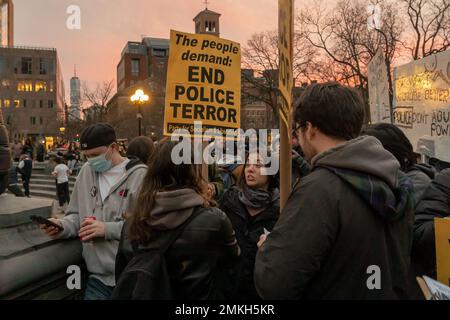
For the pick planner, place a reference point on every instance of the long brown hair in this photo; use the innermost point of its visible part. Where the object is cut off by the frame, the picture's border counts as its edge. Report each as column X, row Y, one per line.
column 162, row 175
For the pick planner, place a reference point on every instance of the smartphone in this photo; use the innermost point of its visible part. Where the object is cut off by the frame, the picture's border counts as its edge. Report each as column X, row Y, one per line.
column 48, row 223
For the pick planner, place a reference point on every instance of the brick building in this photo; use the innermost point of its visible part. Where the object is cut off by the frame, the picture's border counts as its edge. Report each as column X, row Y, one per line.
column 31, row 92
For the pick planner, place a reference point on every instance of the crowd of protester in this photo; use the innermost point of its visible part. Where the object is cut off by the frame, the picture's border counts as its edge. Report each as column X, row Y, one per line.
column 360, row 199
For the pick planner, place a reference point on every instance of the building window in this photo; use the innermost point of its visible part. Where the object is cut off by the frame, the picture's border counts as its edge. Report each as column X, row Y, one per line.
column 16, row 103
column 26, row 86
column 41, row 121
column 43, row 66
column 2, row 65
column 41, row 103
column 51, row 86
column 159, row 52
column 24, row 103
column 4, row 83
column 27, row 66
column 6, row 103
column 40, row 86
column 50, row 103
column 32, row 121
column 17, row 63
column 135, row 67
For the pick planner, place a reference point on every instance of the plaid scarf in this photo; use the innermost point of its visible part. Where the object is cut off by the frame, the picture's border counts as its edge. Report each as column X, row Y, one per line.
column 391, row 204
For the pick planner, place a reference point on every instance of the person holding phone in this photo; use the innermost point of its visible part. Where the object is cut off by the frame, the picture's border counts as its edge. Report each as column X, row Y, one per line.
column 104, row 191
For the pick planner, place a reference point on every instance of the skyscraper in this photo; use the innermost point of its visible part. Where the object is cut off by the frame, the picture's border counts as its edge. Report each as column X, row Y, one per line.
column 6, row 23
column 75, row 97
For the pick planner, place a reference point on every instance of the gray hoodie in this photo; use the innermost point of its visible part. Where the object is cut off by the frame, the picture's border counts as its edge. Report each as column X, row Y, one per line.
column 100, row 254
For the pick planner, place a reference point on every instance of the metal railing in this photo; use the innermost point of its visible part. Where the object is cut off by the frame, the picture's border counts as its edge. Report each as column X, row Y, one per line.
column 28, row 48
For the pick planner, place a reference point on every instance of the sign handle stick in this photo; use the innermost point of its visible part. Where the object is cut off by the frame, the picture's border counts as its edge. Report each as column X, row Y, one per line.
column 285, row 162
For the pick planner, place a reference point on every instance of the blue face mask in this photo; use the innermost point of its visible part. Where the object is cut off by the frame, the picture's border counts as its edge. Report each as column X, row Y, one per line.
column 100, row 163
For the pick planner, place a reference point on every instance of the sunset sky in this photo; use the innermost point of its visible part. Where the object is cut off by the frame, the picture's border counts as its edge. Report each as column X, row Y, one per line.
column 106, row 25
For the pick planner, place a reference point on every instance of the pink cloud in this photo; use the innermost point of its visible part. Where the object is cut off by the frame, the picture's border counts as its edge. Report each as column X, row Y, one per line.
column 107, row 25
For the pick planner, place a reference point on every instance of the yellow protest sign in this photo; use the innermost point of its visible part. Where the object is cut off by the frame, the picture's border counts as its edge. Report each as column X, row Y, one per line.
column 442, row 235
column 203, row 83
column 285, row 43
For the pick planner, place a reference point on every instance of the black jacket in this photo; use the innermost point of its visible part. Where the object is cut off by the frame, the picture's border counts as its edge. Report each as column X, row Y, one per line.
column 248, row 230
column 351, row 214
column 435, row 202
column 5, row 156
column 27, row 170
column 199, row 257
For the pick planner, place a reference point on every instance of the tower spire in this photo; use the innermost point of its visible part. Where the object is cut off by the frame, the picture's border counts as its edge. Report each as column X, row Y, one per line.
column 75, row 70
column 206, row 4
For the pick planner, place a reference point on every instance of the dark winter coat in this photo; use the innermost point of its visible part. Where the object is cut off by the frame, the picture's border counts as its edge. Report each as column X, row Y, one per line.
column 421, row 176
column 435, row 203
column 346, row 224
column 248, row 230
column 198, row 259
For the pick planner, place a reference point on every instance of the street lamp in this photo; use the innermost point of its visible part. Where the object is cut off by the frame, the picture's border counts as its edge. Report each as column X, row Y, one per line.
column 138, row 98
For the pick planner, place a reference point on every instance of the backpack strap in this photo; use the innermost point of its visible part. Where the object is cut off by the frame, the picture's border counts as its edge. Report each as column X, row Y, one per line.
column 174, row 234
column 179, row 230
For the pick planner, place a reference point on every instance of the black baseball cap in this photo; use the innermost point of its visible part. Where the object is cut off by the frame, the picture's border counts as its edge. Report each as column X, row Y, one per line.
column 97, row 135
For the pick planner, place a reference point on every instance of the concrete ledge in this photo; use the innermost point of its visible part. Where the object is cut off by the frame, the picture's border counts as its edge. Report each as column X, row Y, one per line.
column 15, row 211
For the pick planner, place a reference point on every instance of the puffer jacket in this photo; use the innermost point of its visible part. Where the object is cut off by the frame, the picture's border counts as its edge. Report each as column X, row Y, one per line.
column 345, row 231
column 248, row 230
column 199, row 258
column 5, row 156
column 435, row 203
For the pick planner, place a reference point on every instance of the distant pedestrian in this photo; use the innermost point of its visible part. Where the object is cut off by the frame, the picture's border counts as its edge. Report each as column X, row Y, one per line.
column 71, row 157
column 40, row 154
column 28, row 149
column 25, row 168
column 17, row 150
column 142, row 148
column 13, row 181
column 62, row 173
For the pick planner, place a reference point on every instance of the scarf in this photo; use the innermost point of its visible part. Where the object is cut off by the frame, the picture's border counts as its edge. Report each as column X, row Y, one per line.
column 258, row 198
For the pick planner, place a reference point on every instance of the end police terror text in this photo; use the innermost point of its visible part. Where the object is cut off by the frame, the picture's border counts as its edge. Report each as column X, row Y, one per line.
column 204, row 103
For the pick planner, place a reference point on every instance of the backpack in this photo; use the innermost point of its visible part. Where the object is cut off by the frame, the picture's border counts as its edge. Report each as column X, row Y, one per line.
column 146, row 277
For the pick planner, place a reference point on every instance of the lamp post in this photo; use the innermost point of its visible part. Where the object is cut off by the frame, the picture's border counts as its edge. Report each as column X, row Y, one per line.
column 138, row 98
column 62, row 130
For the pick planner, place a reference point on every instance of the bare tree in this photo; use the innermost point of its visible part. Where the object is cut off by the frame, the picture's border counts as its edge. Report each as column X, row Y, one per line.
column 98, row 99
column 429, row 24
column 261, row 56
column 343, row 37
